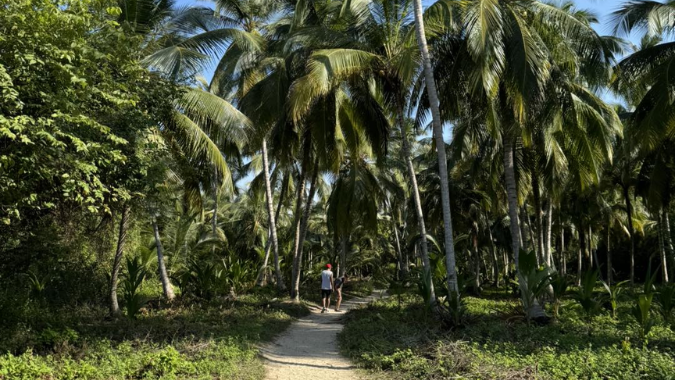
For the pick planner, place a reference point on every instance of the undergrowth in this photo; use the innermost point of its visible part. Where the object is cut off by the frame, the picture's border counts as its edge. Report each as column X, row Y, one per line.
column 207, row 340
column 496, row 343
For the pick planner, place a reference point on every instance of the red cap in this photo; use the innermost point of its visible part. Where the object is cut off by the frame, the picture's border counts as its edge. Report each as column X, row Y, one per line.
column 328, row 266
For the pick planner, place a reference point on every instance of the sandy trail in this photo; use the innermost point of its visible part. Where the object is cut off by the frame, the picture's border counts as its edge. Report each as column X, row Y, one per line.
column 309, row 348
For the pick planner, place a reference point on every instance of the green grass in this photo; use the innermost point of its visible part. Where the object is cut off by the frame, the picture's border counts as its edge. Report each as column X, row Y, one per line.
column 215, row 340
column 496, row 343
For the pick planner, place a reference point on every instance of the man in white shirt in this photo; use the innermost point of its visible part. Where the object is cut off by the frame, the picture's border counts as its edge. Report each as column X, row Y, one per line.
column 326, row 287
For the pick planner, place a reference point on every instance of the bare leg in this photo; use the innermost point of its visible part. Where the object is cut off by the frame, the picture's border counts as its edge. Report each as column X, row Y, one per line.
column 323, row 300
column 327, row 302
column 339, row 299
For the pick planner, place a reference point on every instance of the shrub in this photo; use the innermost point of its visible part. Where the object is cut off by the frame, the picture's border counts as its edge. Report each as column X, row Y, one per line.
column 134, row 276
column 559, row 284
column 585, row 295
column 641, row 311
column 533, row 281
column 613, row 295
column 665, row 298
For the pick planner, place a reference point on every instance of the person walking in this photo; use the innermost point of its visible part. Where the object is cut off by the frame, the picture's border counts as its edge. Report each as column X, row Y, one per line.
column 338, row 289
column 326, row 287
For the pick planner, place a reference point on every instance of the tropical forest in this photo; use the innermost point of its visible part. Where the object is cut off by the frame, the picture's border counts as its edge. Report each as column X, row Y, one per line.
column 337, row 189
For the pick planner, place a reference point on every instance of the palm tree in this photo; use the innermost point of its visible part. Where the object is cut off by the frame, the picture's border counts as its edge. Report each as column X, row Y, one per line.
column 508, row 56
column 388, row 57
column 434, row 103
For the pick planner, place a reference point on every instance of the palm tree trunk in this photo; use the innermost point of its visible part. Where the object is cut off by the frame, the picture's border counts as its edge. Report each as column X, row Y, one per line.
column 591, row 254
column 594, row 252
column 303, row 232
column 582, row 248
column 343, row 256
column 119, row 252
column 532, row 240
column 164, row 277
column 537, row 215
column 419, row 213
column 476, row 261
column 214, row 218
column 262, row 273
column 563, row 259
column 609, row 252
column 493, row 251
column 548, row 223
column 399, row 253
column 440, row 148
column 298, row 221
column 268, row 245
column 629, row 212
column 512, row 197
column 272, row 218
column 662, row 233
column 669, row 243
column 523, row 225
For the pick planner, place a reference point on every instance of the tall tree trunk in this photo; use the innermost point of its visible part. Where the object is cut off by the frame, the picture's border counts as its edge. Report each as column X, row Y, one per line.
column 609, row 252
column 561, row 227
column 401, row 270
column 548, row 223
column 399, row 253
column 533, row 242
column 163, row 276
column 590, row 248
column 343, row 256
column 268, row 245
column 523, row 225
column 297, row 265
column 119, row 252
column 419, row 213
column 272, row 217
column 669, row 243
column 629, row 212
column 563, row 257
column 664, row 248
column 512, row 197
column 440, row 148
column 594, row 252
column 495, row 261
column 582, row 248
column 537, row 215
column 214, row 218
column 298, row 221
column 476, row 260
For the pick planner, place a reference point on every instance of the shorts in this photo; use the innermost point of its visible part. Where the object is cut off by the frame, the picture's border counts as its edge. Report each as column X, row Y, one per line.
column 325, row 293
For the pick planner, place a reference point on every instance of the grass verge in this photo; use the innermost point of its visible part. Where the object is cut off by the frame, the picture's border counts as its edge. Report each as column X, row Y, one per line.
column 406, row 342
column 215, row 340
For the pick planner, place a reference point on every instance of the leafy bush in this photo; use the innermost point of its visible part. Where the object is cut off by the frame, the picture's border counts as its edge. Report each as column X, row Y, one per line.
column 199, row 278
column 665, row 298
column 134, row 275
column 559, row 285
column 585, row 295
column 36, row 284
column 641, row 311
column 533, row 281
column 613, row 295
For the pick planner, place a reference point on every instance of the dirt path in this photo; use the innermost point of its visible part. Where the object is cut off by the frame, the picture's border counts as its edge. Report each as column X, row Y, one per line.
column 309, row 348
